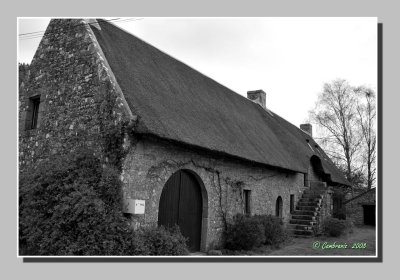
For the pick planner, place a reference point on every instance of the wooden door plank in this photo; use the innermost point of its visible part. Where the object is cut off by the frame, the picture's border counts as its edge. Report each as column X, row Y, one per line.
column 190, row 210
column 169, row 202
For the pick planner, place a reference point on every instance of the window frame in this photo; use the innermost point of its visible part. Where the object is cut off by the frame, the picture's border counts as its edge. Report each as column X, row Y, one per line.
column 32, row 117
column 247, row 202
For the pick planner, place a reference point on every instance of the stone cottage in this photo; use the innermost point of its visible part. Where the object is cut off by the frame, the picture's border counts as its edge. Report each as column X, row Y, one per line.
column 191, row 151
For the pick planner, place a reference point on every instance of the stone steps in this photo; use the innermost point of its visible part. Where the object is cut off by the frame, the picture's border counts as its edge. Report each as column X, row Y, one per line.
column 304, row 217
column 304, row 212
column 310, row 199
column 307, row 208
column 312, row 196
column 299, row 227
column 302, row 222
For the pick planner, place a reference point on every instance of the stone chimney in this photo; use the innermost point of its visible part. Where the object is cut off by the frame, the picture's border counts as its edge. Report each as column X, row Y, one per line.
column 307, row 128
column 257, row 96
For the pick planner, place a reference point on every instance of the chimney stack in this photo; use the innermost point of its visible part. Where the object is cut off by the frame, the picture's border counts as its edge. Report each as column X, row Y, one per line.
column 257, row 96
column 307, row 128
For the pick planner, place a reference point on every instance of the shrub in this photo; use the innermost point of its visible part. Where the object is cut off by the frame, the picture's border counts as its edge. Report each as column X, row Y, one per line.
column 67, row 207
column 335, row 227
column 275, row 232
column 158, row 241
column 248, row 232
column 244, row 233
column 70, row 205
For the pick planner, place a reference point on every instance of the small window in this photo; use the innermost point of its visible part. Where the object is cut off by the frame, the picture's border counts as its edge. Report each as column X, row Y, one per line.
column 246, row 194
column 33, row 113
column 279, row 207
column 291, row 203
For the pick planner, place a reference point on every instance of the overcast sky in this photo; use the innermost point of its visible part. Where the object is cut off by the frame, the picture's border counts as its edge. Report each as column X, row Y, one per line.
column 289, row 58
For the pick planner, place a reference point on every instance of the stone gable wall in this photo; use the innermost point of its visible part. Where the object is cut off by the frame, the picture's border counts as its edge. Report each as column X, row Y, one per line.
column 80, row 102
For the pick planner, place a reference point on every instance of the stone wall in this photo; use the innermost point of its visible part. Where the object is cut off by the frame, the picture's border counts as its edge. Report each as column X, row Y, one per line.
column 354, row 206
column 80, row 102
column 151, row 162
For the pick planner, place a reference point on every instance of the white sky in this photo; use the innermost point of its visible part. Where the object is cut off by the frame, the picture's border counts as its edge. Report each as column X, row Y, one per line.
column 289, row 58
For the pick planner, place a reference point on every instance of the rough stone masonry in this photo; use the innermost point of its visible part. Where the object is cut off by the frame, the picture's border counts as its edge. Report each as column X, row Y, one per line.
column 79, row 98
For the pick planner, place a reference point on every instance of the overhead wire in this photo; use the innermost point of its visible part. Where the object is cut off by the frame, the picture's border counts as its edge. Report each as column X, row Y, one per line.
column 39, row 34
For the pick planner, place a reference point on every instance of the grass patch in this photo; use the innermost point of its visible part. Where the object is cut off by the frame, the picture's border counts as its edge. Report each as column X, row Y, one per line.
column 304, row 246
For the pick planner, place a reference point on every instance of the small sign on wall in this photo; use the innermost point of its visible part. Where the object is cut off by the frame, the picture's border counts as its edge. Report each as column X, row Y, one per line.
column 134, row 206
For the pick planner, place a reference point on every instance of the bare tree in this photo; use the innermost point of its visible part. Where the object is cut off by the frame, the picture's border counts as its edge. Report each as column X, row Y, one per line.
column 335, row 114
column 366, row 112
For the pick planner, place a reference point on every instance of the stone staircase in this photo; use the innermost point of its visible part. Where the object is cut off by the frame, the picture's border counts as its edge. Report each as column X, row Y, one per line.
column 306, row 215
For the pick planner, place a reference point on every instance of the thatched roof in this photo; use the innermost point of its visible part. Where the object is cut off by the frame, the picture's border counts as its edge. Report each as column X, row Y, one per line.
column 178, row 103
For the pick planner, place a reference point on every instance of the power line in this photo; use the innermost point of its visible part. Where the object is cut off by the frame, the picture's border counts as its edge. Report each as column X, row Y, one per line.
column 39, row 34
column 114, row 19
column 30, row 33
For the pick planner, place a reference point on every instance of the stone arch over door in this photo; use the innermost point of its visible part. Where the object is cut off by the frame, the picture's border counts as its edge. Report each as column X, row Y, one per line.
column 279, row 207
column 184, row 202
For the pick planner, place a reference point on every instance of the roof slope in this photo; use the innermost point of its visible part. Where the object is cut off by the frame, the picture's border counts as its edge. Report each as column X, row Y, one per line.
column 360, row 195
column 177, row 102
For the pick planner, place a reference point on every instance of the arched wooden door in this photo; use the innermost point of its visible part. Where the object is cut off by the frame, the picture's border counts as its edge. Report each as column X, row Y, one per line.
column 181, row 204
column 278, row 207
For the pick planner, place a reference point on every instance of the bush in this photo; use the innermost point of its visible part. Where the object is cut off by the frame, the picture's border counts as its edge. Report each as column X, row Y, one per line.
column 70, row 205
column 159, row 241
column 335, row 227
column 275, row 232
column 248, row 232
column 244, row 233
column 67, row 206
